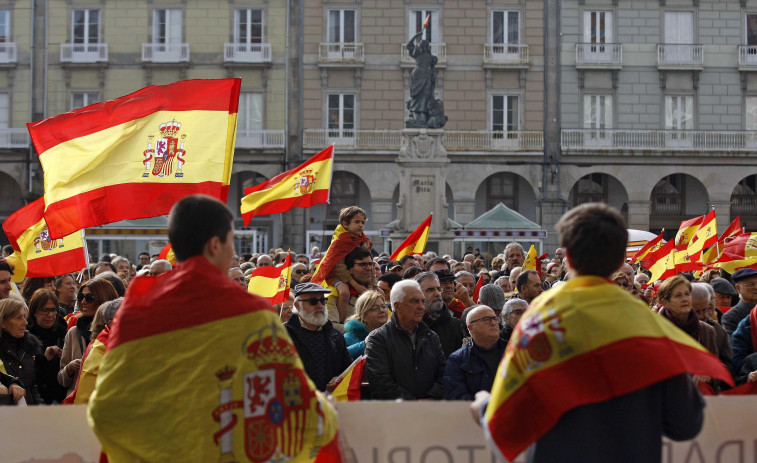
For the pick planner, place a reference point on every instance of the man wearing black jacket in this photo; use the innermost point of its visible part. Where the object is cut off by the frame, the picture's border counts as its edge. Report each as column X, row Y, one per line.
column 438, row 316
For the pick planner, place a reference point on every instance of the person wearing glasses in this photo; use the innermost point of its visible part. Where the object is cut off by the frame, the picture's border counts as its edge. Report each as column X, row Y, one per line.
column 372, row 311
column 322, row 348
column 46, row 323
column 472, row 367
column 91, row 294
column 299, row 270
column 746, row 285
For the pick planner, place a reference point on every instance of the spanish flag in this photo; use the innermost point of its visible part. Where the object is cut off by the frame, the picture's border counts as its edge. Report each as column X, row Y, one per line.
column 734, row 229
column 347, row 387
column 731, row 263
column 167, row 254
column 303, row 186
column 560, row 349
column 272, row 283
column 705, row 236
column 135, row 156
column 532, row 262
column 650, row 247
column 35, row 253
column 218, row 379
column 686, row 231
column 661, row 263
column 415, row 243
column 744, row 245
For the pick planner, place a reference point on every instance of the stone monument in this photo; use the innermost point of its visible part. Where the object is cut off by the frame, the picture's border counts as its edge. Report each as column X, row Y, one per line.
column 422, row 158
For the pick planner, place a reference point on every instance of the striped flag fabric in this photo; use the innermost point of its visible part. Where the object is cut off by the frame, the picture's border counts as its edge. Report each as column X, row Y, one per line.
column 238, row 390
column 347, row 387
column 272, row 283
column 531, row 261
column 743, row 245
column 686, row 231
column 415, row 243
column 304, row 186
column 36, row 254
column 661, row 263
column 477, row 289
column 734, row 229
column 559, row 350
column 731, row 263
column 133, row 157
column 650, row 246
column 705, row 236
column 167, row 254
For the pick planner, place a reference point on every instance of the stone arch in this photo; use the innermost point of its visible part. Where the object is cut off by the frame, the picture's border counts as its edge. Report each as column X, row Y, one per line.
column 599, row 187
column 347, row 189
column 675, row 198
column 744, row 201
column 511, row 189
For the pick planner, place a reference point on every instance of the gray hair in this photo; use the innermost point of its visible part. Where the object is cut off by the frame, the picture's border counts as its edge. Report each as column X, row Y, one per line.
column 162, row 262
column 399, row 290
column 463, row 273
column 423, row 276
column 104, row 315
column 120, row 259
column 699, row 291
column 511, row 246
column 511, row 304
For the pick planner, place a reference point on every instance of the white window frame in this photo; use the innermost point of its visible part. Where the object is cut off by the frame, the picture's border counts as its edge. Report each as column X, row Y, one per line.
column 746, row 27
column 248, row 25
column 505, row 27
column 170, row 25
column 88, row 98
column 434, row 23
column 341, row 131
column 86, row 39
column 667, row 34
column 595, row 104
column 342, row 18
column 6, row 26
column 747, row 111
column 5, row 113
column 245, row 109
column 604, row 24
column 672, row 120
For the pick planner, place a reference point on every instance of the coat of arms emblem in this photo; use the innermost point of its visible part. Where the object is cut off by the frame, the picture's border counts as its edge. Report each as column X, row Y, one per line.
column 160, row 153
column 43, row 242
column 305, row 182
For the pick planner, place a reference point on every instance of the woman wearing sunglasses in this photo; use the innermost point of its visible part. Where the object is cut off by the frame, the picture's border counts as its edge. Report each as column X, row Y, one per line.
column 91, row 295
column 46, row 323
column 371, row 311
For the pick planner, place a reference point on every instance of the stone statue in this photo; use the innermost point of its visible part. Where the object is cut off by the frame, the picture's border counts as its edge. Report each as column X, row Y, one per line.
column 426, row 111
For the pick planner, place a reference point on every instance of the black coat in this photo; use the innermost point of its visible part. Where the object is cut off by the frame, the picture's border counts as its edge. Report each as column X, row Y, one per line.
column 337, row 358
column 47, row 377
column 467, row 372
column 448, row 329
column 737, row 313
column 398, row 370
column 23, row 358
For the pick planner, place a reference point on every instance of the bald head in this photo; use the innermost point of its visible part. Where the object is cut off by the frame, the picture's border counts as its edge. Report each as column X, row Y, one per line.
column 264, row 261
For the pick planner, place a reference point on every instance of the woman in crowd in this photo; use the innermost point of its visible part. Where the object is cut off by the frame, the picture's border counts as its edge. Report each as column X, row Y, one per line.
column 674, row 295
column 20, row 351
column 48, row 326
column 65, row 290
column 90, row 366
column 371, row 311
column 31, row 285
column 91, row 295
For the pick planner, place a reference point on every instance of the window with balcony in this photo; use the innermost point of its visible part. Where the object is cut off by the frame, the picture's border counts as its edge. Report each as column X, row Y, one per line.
column 679, row 117
column 167, row 34
column 748, row 51
column 750, row 113
column 418, row 18
column 668, row 196
column 598, row 45
column 504, row 42
column 248, row 45
column 341, row 38
column 250, row 120
column 7, row 48
column 85, row 46
column 678, row 48
column 503, row 188
column 82, row 99
column 4, row 110
column 504, row 119
column 598, row 112
column 341, row 115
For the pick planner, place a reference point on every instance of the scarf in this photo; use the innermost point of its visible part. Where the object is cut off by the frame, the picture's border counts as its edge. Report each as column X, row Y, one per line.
column 690, row 326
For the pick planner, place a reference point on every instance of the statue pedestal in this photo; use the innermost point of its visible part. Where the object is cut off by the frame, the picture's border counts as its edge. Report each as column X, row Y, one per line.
column 422, row 165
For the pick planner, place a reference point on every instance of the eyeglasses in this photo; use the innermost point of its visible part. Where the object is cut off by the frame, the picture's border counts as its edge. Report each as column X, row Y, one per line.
column 47, row 311
column 300, row 272
column 376, row 308
column 314, row 300
column 747, row 284
column 363, row 264
column 89, row 297
column 486, row 319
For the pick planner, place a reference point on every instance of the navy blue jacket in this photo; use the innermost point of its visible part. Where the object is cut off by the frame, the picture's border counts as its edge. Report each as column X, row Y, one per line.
column 467, row 373
column 742, row 344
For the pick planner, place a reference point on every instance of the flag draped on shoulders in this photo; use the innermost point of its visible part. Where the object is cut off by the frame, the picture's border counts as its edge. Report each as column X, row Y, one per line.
column 135, row 156
column 415, row 243
column 36, row 254
column 200, row 370
column 272, row 283
column 342, row 243
column 303, row 186
column 586, row 331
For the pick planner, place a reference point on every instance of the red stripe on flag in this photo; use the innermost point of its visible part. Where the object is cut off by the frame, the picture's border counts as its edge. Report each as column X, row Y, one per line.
column 57, row 264
column 282, row 205
column 322, row 156
column 187, row 95
column 610, row 371
column 22, row 220
column 137, row 200
column 329, row 453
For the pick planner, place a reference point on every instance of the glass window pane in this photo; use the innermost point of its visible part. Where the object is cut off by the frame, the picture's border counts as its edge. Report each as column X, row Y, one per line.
column 159, row 26
column 349, row 26
column 498, row 113
column 241, row 27
column 4, row 110
column 751, row 29
column 335, row 19
column 751, row 113
column 498, row 27
column 512, row 113
column 512, row 27
column 174, row 30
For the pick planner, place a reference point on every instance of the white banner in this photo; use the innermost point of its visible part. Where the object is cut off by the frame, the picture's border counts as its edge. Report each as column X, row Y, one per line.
column 383, row 432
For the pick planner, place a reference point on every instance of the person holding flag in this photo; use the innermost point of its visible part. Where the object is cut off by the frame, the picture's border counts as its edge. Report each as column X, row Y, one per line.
column 588, row 354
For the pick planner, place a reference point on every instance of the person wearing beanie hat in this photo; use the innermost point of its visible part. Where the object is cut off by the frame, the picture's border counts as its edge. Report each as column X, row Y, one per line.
column 492, row 296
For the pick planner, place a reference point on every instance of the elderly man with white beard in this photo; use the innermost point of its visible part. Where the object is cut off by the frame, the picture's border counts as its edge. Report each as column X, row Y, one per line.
column 438, row 316
column 321, row 347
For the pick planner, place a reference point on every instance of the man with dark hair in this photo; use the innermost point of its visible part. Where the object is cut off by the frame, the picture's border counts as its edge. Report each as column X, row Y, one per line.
column 386, row 281
column 437, row 263
column 5, row 279
column 7, row 251
column 558, row 339
column 408, row 261
column 528, row 285
column 238, row 346
column 360, row 265
column 143, row 260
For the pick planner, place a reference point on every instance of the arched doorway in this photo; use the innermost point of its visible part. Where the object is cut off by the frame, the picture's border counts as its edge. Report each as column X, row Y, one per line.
column 599, row 188
column 347, row 189
column 676, row 198
column 512, row 190
column 744, row 202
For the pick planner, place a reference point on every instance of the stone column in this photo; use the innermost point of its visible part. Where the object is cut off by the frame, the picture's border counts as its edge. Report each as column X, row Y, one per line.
column 638, row 215
column 422, row 164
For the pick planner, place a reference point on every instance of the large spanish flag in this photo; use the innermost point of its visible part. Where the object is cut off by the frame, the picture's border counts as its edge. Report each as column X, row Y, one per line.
column 272, row 283
column 35, row 253
column 415, row 243
column 705, row 236
column 743, row 245
column 135, row 156
column 560, row 348
column 200, row 370
column 303, row 186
